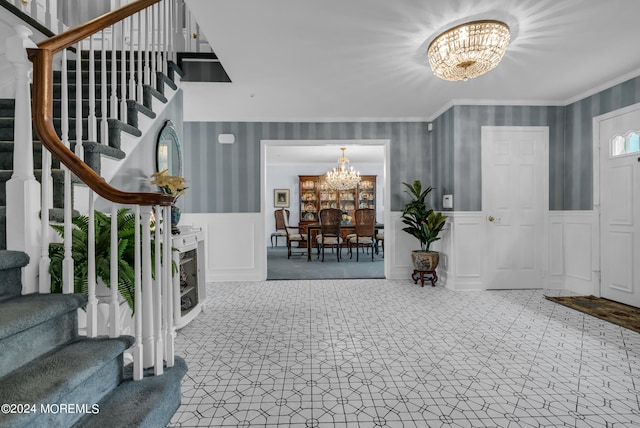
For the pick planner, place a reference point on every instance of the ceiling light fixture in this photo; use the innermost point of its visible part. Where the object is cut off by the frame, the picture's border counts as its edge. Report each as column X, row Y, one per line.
column 343, row 177
column 468, row 50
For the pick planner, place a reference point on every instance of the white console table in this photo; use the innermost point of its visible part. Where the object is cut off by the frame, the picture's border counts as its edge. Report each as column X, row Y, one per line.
column 189, row 286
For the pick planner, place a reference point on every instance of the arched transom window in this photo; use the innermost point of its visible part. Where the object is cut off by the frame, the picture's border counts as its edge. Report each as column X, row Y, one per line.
column 625, row 144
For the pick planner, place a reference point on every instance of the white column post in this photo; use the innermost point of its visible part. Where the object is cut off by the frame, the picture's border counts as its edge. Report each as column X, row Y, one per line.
column 147, row 291
column 23, row 190
column 167, row 270
column 158, row 294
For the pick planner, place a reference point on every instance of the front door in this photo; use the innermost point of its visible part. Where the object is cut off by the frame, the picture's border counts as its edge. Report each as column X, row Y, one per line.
column 514, row 203
column 620, row 206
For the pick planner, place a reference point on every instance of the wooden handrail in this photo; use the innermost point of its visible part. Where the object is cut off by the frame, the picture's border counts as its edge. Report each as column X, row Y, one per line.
column 42, row 59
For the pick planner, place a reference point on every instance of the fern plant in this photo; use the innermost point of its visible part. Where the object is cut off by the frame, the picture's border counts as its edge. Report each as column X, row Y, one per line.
column 79, row 250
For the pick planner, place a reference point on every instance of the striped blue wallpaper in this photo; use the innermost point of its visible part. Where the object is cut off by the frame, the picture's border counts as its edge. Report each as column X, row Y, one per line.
column 578, row 146
column 226, row 178
column 456, row 146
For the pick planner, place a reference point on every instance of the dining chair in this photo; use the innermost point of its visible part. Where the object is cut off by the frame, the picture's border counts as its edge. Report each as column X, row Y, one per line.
column 364, row 236
column 293, row 235
column 281, row 231
column 329, row 235
column 380, row 240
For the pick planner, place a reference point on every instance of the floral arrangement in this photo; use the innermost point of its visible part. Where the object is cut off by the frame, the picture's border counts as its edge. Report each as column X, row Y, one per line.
column 346, row 219
column 169, row 184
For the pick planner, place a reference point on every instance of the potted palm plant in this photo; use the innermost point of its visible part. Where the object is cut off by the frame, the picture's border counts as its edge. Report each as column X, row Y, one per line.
column 425, row 224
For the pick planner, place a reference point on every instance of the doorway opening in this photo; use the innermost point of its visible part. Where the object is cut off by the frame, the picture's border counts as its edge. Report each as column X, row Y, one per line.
column 283, row 162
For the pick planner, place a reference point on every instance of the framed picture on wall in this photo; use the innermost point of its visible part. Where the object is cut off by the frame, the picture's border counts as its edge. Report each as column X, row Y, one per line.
column 281, row 198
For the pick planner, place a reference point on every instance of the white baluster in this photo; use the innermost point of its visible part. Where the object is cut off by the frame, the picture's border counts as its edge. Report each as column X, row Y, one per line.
column 141, row 29
column 132, row 61
column 147, row 43
column 123, row 74
column 67, row 263
column 163, row 38
column 48, row 21
column 154, row 42
column 114, row 77
column 92, row 305
column 170, row 288
column 197, row 38
column 173, row 28
column 22, row 190
column 79, row 152
column 114, row 306
column 44, row 285
column 158, row 295
column 92, row 122
column 137, row 350
column 147, row 290
column 189, row 30
column 104, row 124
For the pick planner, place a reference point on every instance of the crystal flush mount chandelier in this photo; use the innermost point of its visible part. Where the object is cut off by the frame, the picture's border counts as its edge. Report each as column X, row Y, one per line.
column 468, row 50
column 343, row 177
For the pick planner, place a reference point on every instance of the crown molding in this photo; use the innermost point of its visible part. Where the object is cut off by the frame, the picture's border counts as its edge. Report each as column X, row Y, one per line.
column 604, row 86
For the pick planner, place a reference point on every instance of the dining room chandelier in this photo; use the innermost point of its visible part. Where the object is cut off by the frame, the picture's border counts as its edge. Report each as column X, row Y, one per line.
column 468, row 50
column 342, row 177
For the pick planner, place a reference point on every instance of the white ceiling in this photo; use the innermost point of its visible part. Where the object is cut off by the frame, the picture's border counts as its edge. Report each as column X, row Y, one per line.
column 364, row 59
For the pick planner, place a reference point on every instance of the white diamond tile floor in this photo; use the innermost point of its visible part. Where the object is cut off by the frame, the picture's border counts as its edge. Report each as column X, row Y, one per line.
column 388, row 353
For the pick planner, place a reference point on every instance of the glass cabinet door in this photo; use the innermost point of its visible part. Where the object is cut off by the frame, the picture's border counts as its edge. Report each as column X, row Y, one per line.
column 308, row 198
column 348, row 201
column 367, row 193
column 328, row 197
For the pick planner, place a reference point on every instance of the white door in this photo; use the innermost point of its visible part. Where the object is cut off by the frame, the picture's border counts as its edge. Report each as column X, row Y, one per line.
column 620, row 207
column 514, row 203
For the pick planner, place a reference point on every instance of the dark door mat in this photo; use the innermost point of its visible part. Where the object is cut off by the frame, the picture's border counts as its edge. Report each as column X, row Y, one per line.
column 608, row 310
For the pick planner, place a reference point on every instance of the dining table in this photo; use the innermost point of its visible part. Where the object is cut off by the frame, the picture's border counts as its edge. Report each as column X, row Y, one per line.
column 348, row 227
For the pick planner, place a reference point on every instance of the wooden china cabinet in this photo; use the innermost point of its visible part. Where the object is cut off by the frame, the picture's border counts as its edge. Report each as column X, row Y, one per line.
column 315, row 195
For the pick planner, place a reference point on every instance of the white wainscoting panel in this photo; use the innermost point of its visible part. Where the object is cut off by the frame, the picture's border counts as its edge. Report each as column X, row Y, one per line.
column 398, row 248
column 556, row 250
column 574, row 252
column 462, row 251
column 234, row 246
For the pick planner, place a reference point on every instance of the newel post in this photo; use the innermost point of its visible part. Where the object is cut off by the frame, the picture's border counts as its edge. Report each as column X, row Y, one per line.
column 23, row 190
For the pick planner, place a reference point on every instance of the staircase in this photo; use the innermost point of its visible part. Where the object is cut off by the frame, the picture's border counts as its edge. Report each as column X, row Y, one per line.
column 69, row 380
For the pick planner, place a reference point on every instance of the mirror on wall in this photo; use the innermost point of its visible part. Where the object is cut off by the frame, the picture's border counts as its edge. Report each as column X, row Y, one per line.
column 168, row 152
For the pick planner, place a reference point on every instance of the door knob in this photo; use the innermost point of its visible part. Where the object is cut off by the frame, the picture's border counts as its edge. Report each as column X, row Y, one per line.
column 490, row 218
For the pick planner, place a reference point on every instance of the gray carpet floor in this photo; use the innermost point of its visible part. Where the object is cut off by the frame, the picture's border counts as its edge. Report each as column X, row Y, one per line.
column 297, row 267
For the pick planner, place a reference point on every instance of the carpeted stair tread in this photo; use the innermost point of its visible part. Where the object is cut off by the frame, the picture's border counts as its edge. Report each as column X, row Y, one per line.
column 133, row 108
column 11, row 264
column 174, row 69
column 56, row 215
column 81, row 372
column 33, row 325
column 23, row 312
column 116, row 127
column 148, row 93
column 13, row 259
column 150, row 402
